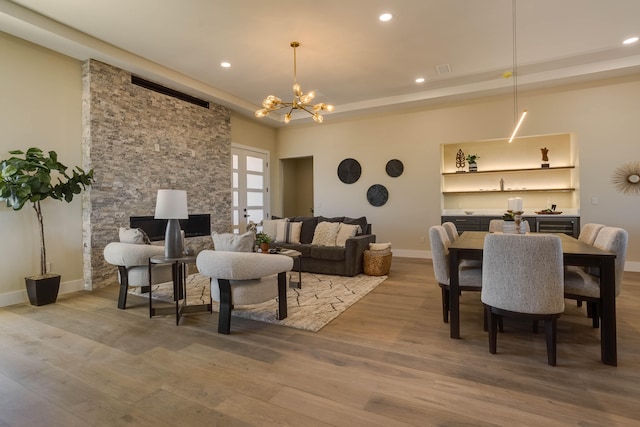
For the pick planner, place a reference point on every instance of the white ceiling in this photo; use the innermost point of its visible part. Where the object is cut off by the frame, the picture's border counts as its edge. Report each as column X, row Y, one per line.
column 350, row 58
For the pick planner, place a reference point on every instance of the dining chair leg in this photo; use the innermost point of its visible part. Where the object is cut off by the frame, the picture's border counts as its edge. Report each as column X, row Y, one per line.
column 445, row 305
column 493, row 331
column 535, row 326
column 550, row 333
column 595, row 313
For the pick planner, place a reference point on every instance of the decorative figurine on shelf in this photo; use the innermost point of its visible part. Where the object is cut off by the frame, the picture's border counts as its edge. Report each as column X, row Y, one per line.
column 473, row 166
column 545, row 157
column 460, row 163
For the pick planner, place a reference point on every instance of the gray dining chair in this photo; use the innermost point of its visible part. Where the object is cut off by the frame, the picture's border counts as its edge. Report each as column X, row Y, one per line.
column 452, row 230
column 582, row 286
column 470, row 278
column 588, row 235
column 515, row 285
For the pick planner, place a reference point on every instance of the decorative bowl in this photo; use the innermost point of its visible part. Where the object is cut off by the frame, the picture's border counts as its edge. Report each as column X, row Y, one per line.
column 469, row 212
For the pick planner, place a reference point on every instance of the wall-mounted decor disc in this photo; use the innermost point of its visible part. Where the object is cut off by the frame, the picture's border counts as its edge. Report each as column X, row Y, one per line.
column 377, row 195
column 349, row 171
column 394, row 168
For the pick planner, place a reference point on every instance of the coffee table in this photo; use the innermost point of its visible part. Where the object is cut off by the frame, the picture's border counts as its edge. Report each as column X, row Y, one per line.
column 294, row 254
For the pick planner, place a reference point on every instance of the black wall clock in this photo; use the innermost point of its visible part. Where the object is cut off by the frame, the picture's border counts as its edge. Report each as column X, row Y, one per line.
column 377, row 195
column 394, row 168
column 349, row 171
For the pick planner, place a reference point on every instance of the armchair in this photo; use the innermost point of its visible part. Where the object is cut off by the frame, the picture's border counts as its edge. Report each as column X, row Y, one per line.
column 132, row 260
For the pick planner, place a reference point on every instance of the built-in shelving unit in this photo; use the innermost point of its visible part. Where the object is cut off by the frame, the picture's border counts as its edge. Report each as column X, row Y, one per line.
column 512, row 170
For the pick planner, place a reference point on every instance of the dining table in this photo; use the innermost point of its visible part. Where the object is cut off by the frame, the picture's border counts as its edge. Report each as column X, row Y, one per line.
column 469, row 245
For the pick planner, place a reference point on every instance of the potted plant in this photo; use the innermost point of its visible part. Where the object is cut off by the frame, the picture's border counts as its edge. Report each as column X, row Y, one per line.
column 473, row 166
column 27, row 177
column 263, row 240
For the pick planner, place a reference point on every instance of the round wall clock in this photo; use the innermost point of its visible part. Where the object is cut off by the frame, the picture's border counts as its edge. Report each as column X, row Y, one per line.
column 349, row 171
column 377, row 195
column 394, row 168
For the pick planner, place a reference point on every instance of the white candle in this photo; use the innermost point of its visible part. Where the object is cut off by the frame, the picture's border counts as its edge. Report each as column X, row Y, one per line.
column 510, row 204
column 518, row 204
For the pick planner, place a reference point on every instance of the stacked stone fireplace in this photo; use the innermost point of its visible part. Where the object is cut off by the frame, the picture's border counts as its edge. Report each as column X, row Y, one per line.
column 138, row 141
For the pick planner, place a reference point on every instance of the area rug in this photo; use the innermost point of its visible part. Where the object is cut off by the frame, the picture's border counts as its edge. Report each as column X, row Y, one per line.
column 321, row 299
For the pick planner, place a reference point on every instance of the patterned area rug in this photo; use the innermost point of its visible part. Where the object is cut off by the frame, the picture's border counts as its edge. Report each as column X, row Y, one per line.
column 321, row 299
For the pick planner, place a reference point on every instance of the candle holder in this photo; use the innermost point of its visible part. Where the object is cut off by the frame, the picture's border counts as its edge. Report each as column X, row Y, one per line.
column 517, row 218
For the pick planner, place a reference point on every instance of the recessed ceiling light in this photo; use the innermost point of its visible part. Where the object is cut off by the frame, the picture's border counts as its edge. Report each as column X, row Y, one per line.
column 225, row 64
column 630, row 40
column 420, row 80
column 385, row 17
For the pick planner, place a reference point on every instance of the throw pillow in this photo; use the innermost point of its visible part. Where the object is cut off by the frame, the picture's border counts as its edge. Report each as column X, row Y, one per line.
column 308, row 227
column 292, row 232
column 379, row 246
column 362, row 222
column 133, row 235
column 274, row 228
column 234, row 242
column 346, row 231
column 325, row 234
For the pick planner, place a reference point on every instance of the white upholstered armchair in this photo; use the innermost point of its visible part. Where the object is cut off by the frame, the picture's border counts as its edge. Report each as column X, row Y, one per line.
column 132, row 260
column 243, row 278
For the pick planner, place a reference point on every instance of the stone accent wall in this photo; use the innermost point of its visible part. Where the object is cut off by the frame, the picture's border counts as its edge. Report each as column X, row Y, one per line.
column 122, row 124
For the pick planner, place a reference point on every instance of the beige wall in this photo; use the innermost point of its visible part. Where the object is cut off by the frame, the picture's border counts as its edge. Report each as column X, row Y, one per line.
column 40, row 106
column 603, row 117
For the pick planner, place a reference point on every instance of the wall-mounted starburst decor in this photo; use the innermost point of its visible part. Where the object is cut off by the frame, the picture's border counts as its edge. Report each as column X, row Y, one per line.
column 626, row 178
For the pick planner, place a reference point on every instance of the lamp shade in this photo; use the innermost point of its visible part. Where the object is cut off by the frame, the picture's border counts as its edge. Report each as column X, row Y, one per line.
column 171, row 204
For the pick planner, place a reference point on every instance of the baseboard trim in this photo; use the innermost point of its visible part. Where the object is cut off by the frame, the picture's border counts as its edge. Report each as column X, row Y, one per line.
column 20, row 297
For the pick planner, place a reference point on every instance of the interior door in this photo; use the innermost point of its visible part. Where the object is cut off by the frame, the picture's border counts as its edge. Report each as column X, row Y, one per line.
column 250, row 176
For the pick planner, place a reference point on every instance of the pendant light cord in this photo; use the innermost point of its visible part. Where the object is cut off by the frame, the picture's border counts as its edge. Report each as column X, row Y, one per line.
column 515, row 65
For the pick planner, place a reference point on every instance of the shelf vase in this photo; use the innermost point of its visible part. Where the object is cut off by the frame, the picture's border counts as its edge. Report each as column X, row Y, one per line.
column 473, row 167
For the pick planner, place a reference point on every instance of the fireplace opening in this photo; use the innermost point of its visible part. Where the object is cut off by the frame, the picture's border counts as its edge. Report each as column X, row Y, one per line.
column 196, row 225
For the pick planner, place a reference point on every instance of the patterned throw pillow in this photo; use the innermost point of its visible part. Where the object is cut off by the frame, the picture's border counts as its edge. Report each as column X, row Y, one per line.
column 325, row 234
column 275, row 228
column 346, row 231
column 133, row 235
column 234, row 242
column 292, row 232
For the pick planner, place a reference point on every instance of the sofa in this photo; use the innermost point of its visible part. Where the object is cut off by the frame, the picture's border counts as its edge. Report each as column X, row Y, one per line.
column 338, row 250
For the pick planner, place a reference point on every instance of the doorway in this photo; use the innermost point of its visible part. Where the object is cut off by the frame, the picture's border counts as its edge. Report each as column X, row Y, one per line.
column 297, row 187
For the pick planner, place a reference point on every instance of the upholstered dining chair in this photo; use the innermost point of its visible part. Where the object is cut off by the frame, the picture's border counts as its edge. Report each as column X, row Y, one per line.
column 244, row 278
column 451, row 229
column 589, row 232
column 470, row 277
column 522, row 276
column 582, row 286
column 495, row 226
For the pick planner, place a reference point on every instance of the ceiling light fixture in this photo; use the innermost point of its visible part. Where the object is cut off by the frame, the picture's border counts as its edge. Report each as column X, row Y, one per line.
column 300, row 100
column 420, row 80
column 515, row 79
column 386, row 17
column 630, row 40
column 225, row 64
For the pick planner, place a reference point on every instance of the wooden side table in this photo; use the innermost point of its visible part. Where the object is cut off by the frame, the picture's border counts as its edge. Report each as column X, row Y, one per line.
column 179, row 276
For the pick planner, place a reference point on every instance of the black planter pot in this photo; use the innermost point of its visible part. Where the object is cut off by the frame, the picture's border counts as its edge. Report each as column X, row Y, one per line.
column 43, row 290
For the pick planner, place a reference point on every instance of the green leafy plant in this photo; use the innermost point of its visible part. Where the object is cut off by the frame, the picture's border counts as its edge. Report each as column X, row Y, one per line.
column 29, row 179
column 508, row 216
column 262, row 238
column 471, row 158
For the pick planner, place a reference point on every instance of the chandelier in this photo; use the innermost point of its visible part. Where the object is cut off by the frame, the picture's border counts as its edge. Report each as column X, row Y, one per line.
column 300, row 101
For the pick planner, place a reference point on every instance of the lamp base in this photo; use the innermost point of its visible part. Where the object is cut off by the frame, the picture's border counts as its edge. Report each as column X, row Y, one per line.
column 173, row 245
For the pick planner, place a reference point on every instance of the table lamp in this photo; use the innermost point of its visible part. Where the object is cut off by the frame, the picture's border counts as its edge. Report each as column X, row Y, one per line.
column 172, row 205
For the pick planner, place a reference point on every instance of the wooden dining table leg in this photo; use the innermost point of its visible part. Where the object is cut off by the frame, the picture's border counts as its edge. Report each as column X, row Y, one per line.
column 608, row 332
column 454, row 295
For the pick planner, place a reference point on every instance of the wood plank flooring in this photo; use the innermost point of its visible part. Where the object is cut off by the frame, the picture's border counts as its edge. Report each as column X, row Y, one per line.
column 386, row 361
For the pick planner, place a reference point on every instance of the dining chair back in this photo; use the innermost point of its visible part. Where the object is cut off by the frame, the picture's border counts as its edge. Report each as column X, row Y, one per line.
column 451, row 229
column 522, row 276
column 581, row 285
column 589, row 232
column 470, row 278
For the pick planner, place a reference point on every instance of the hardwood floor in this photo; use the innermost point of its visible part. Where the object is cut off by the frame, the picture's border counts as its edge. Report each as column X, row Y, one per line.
column 386, row 361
